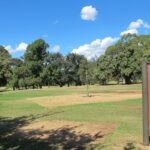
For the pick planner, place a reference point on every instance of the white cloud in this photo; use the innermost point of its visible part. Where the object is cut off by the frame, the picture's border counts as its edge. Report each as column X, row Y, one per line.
column 55, row 49
column 89, row 13
column 131, row 31
column 19, row 48
column 133, row 27
column 9, row 48
column 95, row 48
column 98, row 47
column 136, row 24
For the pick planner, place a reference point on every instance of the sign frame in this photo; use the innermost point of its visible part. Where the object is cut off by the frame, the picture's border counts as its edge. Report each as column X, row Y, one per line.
column 146, row 115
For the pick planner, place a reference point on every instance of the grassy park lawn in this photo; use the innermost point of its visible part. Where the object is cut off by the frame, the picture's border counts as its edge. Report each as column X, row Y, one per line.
column 63, row 118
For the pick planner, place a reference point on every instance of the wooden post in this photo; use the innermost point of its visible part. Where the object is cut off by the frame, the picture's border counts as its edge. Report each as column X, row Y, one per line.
column 87, row 84
column 145, row 104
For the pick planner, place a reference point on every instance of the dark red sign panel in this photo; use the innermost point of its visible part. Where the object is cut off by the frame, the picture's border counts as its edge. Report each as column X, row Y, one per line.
column 148, row 80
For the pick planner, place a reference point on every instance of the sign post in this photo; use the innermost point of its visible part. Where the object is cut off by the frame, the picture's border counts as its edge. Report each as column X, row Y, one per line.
column 146, row 102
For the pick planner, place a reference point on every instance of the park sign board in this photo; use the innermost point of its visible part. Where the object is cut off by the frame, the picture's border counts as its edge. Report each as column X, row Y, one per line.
column 146, row 102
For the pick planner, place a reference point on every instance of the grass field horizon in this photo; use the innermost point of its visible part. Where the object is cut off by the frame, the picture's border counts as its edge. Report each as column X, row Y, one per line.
column 27, row 124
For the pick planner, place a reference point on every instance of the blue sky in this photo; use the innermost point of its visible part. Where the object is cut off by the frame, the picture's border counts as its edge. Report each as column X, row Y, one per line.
column 61, row 23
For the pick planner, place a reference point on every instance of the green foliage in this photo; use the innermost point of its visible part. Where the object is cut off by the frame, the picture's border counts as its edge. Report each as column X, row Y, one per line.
column 4, row 53
column 87, row 71
column 123, row 60
column 83, row 71
column 5, row 70
column 104, row 69
column 36, row 51
column 74, row 62
column 28, row 73
column 54, row 71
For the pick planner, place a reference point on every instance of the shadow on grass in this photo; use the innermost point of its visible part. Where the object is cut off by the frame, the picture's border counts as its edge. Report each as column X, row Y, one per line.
column 129, row 146
column 62, row 138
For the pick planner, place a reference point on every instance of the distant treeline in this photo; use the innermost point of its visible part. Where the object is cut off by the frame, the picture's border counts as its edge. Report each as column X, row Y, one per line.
column 121, row 62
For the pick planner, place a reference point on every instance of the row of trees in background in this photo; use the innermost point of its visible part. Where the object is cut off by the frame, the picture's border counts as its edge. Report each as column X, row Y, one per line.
column 38, row 68
column 121, row 62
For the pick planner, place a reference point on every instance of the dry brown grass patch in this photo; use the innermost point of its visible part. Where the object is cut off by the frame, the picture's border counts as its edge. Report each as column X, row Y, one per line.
column 68, row 132
column 81, row 98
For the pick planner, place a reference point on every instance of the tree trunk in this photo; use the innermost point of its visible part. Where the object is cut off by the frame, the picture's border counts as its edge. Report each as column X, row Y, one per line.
column 127, row 80
column 13, row 88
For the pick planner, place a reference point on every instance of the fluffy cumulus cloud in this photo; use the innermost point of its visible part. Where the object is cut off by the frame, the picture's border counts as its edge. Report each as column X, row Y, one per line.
column 89, row 13
column 95, row 48
column 19, row 48
column 98, row 46
column 133, row 27
column 55, row 49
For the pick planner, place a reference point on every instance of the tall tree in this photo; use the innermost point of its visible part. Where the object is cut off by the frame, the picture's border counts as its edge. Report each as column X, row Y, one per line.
column 5, row 69
column 127, row 55
column 36, row 51
column 35, row 56
column 74, row 61
column 54, row 71
column 104, row 69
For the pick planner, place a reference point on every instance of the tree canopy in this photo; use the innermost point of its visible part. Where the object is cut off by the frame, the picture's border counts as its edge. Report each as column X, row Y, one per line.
column 38, row 67
column 124, row 59
column 5, row 69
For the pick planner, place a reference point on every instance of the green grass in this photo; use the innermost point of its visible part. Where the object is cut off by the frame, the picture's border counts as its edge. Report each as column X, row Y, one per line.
column 127, row 115
column 18, row 109
column 23, row 94
column 54, row 91
column 101, row 112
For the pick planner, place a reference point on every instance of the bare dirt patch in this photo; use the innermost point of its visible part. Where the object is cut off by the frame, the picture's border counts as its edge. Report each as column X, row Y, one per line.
column 81, row 98
column 71, row 134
